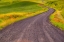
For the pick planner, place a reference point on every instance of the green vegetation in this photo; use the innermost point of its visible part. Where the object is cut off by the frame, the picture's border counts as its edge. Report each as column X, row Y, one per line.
column 10, row 13
column 58, row 17
column 30, row 8
column 57, row 23
column 20, row 6
column 62, row 13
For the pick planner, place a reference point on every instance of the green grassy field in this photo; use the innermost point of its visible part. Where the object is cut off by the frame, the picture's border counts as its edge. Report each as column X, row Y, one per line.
column 21, row 6
column 10, row 13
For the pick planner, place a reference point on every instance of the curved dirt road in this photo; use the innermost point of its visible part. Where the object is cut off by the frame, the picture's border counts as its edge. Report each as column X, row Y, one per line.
column 34, row 29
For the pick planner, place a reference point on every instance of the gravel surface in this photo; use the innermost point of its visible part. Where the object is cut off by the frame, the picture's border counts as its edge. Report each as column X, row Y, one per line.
column 34, row 29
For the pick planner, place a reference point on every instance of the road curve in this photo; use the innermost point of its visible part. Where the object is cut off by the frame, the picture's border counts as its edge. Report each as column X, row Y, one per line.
column 34, row 29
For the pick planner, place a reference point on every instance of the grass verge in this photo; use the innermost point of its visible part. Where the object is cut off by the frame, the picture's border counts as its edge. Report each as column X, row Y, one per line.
column 57, row 18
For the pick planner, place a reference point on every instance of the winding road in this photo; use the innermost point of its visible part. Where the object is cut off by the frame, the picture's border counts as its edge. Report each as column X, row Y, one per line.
column 34, row 29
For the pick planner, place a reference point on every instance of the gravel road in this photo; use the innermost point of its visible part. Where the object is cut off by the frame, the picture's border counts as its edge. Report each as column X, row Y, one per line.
column 33, row 29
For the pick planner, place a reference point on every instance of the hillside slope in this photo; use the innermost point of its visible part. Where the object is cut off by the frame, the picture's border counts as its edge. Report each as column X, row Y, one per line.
column 10, row 13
